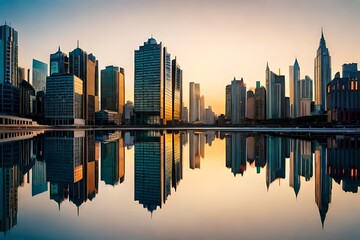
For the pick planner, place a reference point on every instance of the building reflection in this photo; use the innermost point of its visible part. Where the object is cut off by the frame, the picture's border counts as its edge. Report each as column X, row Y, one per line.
column 71, row 167
column 113, row 159
column 67, row 163
column 158, row 167
column 323, row 183
column 276, row 152
column 16, row 159
column 344, row 162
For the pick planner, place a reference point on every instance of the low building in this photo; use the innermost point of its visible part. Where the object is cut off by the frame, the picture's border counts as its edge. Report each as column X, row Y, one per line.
column 106, row 117
column 343, row 100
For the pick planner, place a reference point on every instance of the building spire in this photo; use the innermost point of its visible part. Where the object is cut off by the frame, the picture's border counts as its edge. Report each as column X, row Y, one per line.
column 322, row 39
column 59, row 49
column 77, row 43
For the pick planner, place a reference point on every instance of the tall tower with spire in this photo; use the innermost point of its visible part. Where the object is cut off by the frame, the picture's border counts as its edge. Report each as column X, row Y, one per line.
column 294, row 72
column 322, row 73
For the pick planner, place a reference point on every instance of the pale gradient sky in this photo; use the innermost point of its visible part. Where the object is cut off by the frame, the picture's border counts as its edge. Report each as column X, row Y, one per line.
column 213, row 40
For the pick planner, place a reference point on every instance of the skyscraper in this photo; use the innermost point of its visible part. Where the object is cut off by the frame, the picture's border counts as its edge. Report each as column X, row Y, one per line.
column 113, row 89
column 9, row 81
column 64, row 100
column 260, row 103
column 250, row 104
column 85, row 67
column 59, row 63
column 294, row 89
column 306, row 96
column 238, row 98
column 39, row 73
column 177, row 95
column 194, row 95
column 228, row 101
column 275, row 95
column 152, row 84
column 322, row 73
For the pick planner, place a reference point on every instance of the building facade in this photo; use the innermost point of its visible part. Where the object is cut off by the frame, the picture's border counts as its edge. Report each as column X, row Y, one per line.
column 85, row 67
column 260, row 103
column 194, row 95
column 250, row 104
column 152, row 84
column 39, row 74
column 64, row 100
column 343, row 100
column 113, row 89
column 322, row 73
column 228, row 101
column 177, row 94
column 294, row 89
column 275, row 95
column 238, row 97
column 9, row 81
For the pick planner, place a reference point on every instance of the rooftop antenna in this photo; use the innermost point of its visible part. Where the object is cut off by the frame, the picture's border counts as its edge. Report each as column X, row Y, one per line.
column 77, row 43
column 279, row 71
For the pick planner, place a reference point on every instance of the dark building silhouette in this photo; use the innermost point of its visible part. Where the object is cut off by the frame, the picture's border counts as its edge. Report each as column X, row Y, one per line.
column 342, row 96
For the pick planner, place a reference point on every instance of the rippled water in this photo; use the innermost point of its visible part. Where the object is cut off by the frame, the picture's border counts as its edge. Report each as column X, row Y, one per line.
column 178, row 185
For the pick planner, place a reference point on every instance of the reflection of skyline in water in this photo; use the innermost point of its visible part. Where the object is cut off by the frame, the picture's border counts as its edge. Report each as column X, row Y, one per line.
column 158, row 167
column 67, row 165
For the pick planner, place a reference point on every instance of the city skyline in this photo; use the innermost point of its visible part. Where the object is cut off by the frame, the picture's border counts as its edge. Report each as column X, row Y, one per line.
column 243, row 37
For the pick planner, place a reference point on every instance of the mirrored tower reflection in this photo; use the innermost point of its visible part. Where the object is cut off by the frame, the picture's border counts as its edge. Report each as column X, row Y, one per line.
column 158, row 167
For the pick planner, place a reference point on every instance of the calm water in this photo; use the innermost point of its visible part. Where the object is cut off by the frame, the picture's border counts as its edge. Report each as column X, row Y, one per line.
column 187, row 185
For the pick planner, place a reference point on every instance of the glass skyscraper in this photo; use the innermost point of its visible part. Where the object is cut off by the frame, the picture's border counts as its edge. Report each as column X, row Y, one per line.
column 39, row 75
column 113, row 89
column 294, row 89
column 9, row 81
column 152, row 84
column 322, row 73
column 275, row 95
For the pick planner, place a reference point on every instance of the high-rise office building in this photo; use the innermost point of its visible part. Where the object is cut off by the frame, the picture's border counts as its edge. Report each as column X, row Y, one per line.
column 59, row 63
column 9, row 81
column 275, row 95
column 152, row 84
column 177, row 94
column 260, row 103
column 113, row 89
column 21, row 74
column 322, row 73
column 238, row 98
column 294, row 89
column 194, row 95
column 39, row 74
column 185, row 114
column 202, row 108
column 228, row 101
column 250, row 104
column 306, row 96
column 85, row 67
column 64, row 100
column 8, row 55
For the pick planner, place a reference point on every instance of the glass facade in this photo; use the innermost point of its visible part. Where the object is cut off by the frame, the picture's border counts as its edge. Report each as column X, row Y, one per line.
column 113, row 89
column 322, row 73
column 63, row 99
column 39, row 73
column 152, row 84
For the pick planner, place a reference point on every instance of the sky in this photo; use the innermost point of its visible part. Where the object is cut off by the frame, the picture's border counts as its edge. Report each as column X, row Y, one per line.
column 214, row 41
